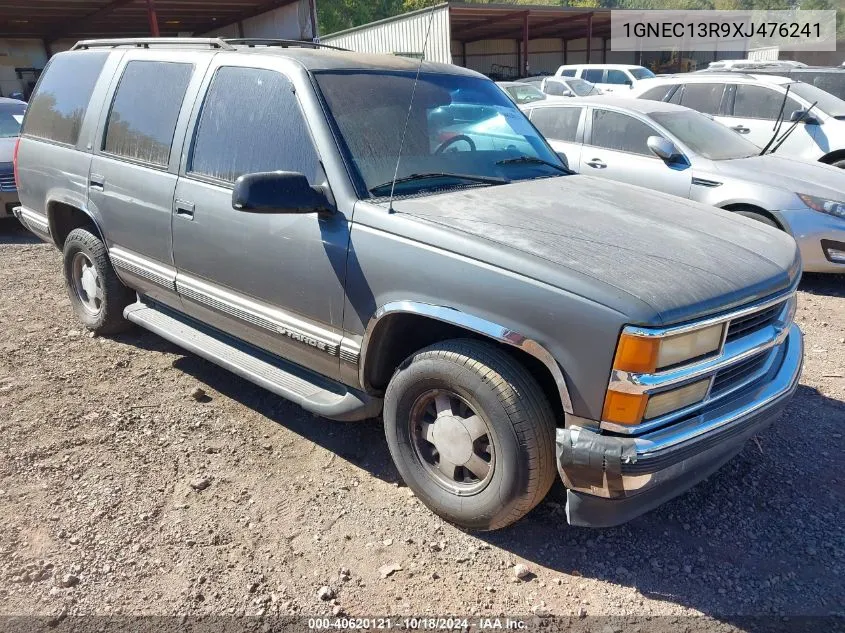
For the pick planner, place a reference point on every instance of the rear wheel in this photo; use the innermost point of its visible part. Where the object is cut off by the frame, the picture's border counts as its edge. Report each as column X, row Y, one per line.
column 471, row 433
column 96, row 294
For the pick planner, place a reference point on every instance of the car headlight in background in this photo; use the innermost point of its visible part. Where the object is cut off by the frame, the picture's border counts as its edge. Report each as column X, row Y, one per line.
column 831, row 207
column 649, row 354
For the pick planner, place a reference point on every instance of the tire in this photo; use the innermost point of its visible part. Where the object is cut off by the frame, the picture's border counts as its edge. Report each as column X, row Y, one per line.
column 102, row 310
column 476, row 378
column 756, row 215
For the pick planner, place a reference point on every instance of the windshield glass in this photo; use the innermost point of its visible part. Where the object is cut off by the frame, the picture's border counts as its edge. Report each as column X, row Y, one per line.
column 641, row 73
column 830, row 81
column 458, row 126
column 704, row 136
column 828, row 104
column 582, row 88
column 525, row 94
column 11, row 117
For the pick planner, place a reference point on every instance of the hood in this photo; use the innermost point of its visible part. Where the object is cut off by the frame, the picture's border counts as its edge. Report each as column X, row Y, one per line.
column 790, row 174
column 681, row 258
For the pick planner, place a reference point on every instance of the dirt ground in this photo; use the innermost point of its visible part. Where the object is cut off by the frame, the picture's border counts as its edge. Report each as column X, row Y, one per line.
column 102, row 449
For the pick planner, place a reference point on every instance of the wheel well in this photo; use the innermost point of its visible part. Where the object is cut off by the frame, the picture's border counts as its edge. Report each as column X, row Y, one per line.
column 754, row 209
column 834, row 156
column 64, row 218
column 397, row 336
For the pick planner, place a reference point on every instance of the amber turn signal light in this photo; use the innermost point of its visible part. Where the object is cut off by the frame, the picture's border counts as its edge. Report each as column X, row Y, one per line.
column 624, row 408
column 637, row 354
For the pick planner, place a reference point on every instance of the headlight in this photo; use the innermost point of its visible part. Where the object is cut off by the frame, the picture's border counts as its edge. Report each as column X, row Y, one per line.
column 831, row 207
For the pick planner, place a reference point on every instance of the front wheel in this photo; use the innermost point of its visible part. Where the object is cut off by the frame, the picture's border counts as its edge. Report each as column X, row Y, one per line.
column 471, row 433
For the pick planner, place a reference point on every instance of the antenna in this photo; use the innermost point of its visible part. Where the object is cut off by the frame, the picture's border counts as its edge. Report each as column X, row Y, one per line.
column 410, row 106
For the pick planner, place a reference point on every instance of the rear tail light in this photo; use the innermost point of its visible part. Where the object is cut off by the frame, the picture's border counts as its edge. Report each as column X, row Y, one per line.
column 15, row 162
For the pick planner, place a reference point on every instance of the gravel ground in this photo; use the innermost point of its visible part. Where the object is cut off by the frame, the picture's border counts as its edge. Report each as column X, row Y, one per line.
column 120, row 493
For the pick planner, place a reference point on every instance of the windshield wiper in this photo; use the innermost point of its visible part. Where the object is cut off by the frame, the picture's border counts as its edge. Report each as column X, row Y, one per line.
column 532, row 160
column 778, row 123
column 385, row 187
column 789, row 131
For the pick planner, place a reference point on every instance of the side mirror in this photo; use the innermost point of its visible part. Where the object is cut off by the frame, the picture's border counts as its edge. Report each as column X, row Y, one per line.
column 663, row 148
column 277, row 192
column 629, row 83
column 563, row 159
column 801, row 115
column 568, row 93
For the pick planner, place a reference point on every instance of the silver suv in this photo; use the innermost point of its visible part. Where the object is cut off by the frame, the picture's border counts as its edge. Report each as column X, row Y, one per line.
column 508, row 319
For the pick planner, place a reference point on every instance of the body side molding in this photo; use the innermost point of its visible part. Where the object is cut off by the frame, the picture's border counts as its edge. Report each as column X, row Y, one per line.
column 475, row 324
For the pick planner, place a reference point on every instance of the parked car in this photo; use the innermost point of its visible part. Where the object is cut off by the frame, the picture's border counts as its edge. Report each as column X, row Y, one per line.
column 829, row 79
column 569, row 87
column 608, row 77
column 522, row 93
column 11, row 116
column 283, row 213
column 751, row 104
column 676, row 150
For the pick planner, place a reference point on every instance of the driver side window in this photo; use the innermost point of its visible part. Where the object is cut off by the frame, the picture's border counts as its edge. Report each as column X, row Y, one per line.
column 620, row 132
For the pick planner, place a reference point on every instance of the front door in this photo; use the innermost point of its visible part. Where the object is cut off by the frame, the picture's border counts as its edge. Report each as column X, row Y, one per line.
column 274, row 280
column 617, row 149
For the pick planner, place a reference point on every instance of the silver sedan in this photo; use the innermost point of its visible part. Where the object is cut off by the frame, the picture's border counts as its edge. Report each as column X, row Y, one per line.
column 679, row 151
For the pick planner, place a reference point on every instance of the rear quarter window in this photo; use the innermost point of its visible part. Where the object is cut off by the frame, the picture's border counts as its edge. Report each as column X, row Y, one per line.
column 58, row 107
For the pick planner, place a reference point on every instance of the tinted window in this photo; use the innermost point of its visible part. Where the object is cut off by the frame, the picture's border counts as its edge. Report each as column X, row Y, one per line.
column 593, row 75
column 658, row 93
column 58, row 106
column 616, row 77
column 11, row 116
column 703, row 97
column 134, row 129
column 620, row 132
column 560, row 124
column 642, row 73
column 756, row 102
column 251, row 122
column 569, row 72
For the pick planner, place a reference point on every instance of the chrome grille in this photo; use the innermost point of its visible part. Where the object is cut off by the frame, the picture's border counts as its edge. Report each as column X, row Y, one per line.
column 753, row 322
column 736, row 375
column 7, row 182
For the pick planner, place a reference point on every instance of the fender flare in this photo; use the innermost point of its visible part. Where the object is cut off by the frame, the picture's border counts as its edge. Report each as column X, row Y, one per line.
column 475, row 324
column 51, row 221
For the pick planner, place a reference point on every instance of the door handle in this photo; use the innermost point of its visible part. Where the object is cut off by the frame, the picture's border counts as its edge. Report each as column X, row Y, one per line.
column 596, row 163
column 184, row 209
column 96, row 181
column 741, row 129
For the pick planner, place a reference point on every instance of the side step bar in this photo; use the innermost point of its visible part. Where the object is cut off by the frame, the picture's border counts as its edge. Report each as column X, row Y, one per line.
column 309, row 390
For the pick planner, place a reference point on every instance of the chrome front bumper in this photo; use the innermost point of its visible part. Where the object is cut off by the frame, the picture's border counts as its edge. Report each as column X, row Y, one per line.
column 810, row 229
column 612, row 479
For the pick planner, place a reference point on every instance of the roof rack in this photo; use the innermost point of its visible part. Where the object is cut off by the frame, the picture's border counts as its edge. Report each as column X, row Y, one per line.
column 147, row 42
column 260, row 41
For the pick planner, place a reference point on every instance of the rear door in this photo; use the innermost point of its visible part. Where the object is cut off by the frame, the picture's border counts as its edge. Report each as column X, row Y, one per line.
column 275, row 280
column 617, row 149
column 134, row 168
column 563, row 128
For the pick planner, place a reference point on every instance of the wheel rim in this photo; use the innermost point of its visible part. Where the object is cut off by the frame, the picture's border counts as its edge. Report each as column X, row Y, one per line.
column 452, row 442
column 87, row 284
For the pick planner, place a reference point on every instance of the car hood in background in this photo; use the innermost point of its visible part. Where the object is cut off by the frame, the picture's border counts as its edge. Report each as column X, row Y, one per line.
column 682, row 258
column 7, row 149
column 794, row 175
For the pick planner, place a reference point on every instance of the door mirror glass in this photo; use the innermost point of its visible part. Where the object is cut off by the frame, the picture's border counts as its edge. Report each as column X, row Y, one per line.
column 277, row 192
column 563, row 159
column 801, row 115
column 662, row 147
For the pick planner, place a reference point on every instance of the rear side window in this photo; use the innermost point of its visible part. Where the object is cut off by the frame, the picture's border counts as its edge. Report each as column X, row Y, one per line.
column 658, row 93
column 568, row 72
column 593, row 75
column 617, row 77
column 560, row 124
column 58, row 106
column 134, row 129
column 251, row 122
column 705, row 98
column 756, row 102
column 621, row 132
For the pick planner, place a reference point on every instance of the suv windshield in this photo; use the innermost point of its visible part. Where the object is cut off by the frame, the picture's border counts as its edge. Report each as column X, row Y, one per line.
column 460, row 129
column 830, row 105
column 641, row 73
column 704, row 136
column 11, row 117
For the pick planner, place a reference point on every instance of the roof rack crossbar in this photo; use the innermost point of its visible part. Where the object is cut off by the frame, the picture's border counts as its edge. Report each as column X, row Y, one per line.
column 261, row 41
column 147, row 42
